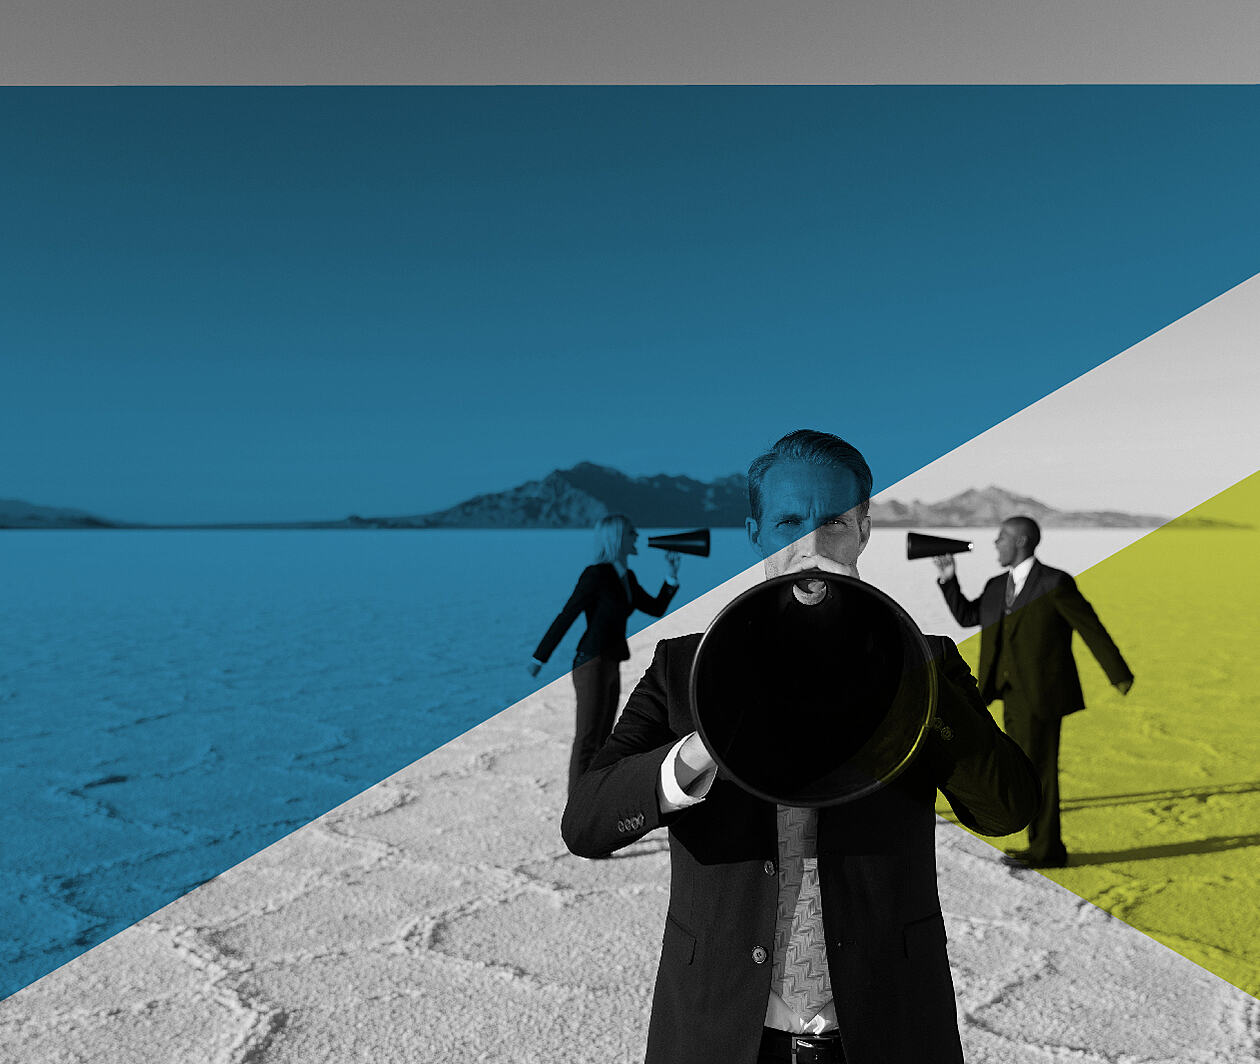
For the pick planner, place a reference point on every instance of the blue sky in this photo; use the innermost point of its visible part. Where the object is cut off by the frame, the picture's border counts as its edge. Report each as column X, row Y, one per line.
column 282, row 303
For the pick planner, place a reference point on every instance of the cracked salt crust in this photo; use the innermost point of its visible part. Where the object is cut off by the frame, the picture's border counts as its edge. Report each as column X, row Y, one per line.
column 437, row 917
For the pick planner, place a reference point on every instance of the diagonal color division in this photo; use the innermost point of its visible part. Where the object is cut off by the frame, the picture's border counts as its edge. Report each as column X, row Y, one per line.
column 1161, row 790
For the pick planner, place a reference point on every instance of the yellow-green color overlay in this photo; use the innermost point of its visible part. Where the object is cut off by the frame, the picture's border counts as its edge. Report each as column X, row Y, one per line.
column 1161, row 789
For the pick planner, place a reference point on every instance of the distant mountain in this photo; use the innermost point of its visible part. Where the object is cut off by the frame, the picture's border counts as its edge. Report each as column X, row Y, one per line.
column 14, row 513
column 976, row 508
column 578, row 497
column 1193, row 522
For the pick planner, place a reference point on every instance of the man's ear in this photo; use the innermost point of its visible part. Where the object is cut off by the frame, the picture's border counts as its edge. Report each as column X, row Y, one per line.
column 864, row 532
column 754, row 535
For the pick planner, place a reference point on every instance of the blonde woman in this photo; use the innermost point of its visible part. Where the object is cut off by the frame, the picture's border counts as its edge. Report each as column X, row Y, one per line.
column 607, row 592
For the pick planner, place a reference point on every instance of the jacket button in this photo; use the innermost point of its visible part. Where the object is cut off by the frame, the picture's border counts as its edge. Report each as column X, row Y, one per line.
column 758, row 955
column 768, row 868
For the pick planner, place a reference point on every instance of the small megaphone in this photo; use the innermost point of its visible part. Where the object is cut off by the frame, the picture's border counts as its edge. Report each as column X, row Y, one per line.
column 920, row 546
column 696, row 542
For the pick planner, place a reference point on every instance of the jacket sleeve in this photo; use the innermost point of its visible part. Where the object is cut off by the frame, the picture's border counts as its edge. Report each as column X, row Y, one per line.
column 615, row 801
column 657, row 606
column 1076, row 610
column 966, row 611
column 582, row 595
column 989, row 782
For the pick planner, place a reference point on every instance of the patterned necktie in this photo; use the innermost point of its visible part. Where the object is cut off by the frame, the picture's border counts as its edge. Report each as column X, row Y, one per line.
column 1010, row 589
column 800, row 947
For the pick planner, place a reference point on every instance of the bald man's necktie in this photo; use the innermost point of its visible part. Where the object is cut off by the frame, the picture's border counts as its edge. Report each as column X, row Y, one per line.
column 800, row 947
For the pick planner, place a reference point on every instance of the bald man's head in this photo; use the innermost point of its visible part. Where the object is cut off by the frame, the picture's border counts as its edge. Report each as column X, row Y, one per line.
column 1017, row 540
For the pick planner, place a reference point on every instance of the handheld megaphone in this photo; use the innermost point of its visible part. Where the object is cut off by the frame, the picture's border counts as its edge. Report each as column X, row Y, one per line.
column 696, row 542
column 920, row 546
column 813, row 696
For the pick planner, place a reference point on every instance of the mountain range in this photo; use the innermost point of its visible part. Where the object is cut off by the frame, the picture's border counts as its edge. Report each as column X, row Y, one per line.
column 577, row 497
column 14, row 513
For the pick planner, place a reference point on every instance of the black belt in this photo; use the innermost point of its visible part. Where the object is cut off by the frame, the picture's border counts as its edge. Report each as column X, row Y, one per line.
column 801, row 1048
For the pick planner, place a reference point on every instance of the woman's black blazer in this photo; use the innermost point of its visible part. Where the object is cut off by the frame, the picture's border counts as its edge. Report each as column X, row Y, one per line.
column 601, row 595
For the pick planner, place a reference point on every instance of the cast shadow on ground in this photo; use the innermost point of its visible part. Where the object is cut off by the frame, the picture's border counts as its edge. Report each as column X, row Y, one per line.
column 1198, row 794
column 1172, row 797
column 1216, row 844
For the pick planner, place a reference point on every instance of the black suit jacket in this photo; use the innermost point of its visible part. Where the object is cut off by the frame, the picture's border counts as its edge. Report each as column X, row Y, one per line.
column 1038, row 638
column 601, row 595
column 877, row 865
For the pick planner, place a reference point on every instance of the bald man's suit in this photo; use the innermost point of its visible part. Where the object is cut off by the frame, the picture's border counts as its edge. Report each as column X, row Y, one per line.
column 1026, row 660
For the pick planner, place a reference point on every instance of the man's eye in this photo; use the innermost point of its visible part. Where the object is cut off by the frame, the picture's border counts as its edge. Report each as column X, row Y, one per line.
column 788, row 522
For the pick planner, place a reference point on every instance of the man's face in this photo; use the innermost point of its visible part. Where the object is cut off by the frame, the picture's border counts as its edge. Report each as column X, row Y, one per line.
column 809, row 519
column 1007, row 544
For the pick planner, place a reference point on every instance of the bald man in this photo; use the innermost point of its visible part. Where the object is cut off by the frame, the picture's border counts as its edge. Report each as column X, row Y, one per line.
column 1028, row 615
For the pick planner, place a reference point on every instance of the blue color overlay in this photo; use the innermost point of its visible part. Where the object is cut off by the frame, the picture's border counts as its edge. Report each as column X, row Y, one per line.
column 230, row 304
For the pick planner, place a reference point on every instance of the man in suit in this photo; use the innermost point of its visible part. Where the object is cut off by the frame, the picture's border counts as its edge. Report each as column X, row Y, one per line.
column 1028, row 616
column 799, row 934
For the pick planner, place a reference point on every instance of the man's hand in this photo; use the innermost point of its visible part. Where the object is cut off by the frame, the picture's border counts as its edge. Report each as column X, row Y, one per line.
column 693, row 761
column 944, row 567
column 821, row 561
column 1123, row 686
column 672, row 560
column 533, row 666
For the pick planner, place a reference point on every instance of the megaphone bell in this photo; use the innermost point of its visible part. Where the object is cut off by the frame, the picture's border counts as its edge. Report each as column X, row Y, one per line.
column 919, row 545
column 813, row 689
column 696, row 542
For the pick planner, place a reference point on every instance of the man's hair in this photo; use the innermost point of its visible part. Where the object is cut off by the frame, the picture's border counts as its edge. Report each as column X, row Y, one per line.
column 1027, row 527
column 820, row 448
column 608, row 532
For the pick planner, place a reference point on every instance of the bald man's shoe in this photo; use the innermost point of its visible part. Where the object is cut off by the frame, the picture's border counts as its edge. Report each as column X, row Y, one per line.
column 1025, row 859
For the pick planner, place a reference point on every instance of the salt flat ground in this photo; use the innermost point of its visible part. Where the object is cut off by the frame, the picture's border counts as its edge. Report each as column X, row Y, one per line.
column 173, row 702
column 437, row 916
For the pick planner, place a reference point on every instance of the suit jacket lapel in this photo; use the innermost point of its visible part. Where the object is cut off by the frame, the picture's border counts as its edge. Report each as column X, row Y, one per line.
column 1027, row 594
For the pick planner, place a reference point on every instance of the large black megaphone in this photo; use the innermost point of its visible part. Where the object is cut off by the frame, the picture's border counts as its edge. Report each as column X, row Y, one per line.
column 813, row 690
column 920, row 546
column 696, row 542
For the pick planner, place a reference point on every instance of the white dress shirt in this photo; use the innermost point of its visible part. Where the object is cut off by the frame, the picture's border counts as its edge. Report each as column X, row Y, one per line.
column 1019, row 573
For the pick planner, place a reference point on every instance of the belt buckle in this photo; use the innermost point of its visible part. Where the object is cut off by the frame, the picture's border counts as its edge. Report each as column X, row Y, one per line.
column 815, row 1049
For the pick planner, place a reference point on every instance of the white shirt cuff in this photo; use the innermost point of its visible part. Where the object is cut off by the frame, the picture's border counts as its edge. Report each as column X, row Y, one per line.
column 671, row 583
column 673, row 797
